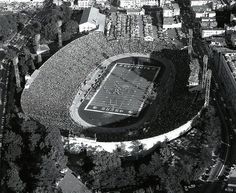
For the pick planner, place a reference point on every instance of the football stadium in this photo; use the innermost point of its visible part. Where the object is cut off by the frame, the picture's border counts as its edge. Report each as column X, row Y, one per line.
column 114, row 89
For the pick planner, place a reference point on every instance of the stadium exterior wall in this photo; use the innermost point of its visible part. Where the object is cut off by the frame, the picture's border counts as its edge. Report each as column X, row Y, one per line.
column 76, row 143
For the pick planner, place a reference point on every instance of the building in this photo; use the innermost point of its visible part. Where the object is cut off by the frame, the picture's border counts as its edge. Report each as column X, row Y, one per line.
column 171, row 10
column 225, row 70
column 218, row 4
column 92, row 20
column 72, row 183
column 138, row 11
column 138, row 3
column 101, row 2
column 207, row 22
column 232, row 17
column 171, row 22
column 199, row 2
column 230, row 28
column 231, row 184
column 216, row 41
column 233, row 39
column 209, row 32
column 22, row 1
column 204, row 12
column 81, row 4
column 76, row 4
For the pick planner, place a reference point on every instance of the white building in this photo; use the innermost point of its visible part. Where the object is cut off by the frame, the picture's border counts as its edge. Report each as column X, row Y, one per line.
column 208, row 32
column 210, row 14
column 138, row 11
column 81, row 4
column 203, row 11
column 102, row 2
column 230, row 28
column 225, row 68
column 232, row 17
column 198, row 2
column 208, row 22
column 23, row 1
column 218, row 4
column 171, row 10
column 92, row 20
column 76, row 4
column 138, row 3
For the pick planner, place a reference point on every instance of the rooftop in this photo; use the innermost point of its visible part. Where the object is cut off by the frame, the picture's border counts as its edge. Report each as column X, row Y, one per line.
column 202, row 8
column 232, row 177
column 171, row 6
column 92, row 15
column 231, row 61
column 171, row 20
column 72, row 184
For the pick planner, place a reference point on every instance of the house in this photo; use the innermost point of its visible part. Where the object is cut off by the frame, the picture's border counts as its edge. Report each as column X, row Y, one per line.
column 92, row 20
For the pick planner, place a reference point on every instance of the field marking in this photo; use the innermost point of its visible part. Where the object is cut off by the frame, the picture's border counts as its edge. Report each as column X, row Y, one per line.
column 103, row 82
column 111, row 108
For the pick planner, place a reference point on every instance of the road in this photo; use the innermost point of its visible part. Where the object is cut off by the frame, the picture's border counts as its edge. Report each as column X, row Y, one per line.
column 228, row 146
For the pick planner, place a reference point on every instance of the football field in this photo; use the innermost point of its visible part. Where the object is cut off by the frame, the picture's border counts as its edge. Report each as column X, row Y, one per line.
column 124, row 90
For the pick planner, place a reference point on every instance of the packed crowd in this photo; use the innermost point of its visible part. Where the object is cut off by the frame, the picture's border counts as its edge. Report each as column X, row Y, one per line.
column 194, row 73
column 177, row 106
column 62, row 76
column 129, row 26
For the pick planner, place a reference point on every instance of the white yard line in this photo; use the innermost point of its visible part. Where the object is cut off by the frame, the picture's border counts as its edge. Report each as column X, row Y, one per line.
column 76, row 102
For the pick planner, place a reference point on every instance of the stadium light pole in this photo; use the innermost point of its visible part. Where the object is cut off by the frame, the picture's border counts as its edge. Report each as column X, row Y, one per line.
column 37, row 46
column 59, row 24
column 15, row 62
column 95, row 137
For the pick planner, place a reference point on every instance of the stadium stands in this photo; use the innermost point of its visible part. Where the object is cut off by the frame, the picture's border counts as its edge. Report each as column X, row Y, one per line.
column 60, row 78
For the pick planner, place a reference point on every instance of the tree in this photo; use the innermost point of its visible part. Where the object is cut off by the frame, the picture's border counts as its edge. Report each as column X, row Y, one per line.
column 56, row 153
column 71, row 26
column 33, row 29
column 44, row 156
column 13, row 143
column 165, row 152
column 156, row 164
column 12, row 52
column 48, row 175
column 8, row 26
column 24, row 68
column 13, row 180
column 66, row 12
column 50, row 31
